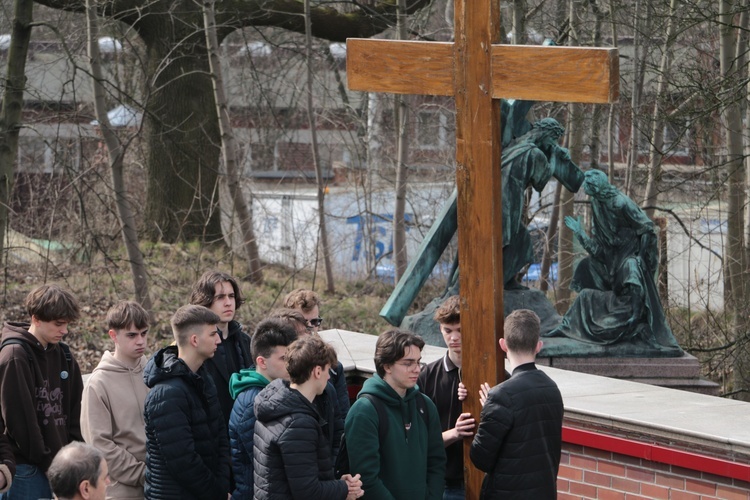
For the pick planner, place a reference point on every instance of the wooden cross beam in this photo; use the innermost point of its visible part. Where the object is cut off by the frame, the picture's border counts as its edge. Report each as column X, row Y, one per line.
column 477, row 72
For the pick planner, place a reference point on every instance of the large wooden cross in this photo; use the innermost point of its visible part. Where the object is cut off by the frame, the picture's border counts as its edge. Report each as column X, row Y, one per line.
column 477, row 72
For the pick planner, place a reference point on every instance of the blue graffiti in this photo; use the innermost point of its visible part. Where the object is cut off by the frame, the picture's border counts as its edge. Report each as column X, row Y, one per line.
column 381, row 225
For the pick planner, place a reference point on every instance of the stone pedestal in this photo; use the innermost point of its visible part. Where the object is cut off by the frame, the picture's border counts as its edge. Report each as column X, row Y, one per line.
column 676, row 373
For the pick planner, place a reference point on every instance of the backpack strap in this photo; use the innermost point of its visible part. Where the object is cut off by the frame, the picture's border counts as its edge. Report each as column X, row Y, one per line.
column 66, row 349
column 25, row 345
column 382, row 416
column 27, row 348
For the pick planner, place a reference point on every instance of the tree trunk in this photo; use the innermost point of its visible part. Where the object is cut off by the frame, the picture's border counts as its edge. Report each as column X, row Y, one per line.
column 655, row 153
column 635, row 97
column 116, row 150
column 399, row 211
column 230, row 151
column 322, row 228
column 611, row 117
column 182, row 133
column 735, row 248
column 551, row 235
column 597, row 113
column 519, row 22
column 12, row 107
column 575, row 144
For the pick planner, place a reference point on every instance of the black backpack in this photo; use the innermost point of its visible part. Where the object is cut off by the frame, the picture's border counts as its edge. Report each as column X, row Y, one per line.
column 342, row 460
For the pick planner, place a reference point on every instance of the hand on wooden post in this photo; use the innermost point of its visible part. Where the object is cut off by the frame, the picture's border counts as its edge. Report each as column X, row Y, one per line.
column 484, row 391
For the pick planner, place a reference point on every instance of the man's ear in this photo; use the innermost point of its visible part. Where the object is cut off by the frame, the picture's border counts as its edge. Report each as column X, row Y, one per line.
column 260, row 361
column 318, row 372
column 84, row 489
column 539, row 346
column 113, row 335
column 193, row 340
column 503, row 345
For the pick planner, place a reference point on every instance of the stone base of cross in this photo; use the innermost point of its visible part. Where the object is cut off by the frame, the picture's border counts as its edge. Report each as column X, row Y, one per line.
column 477, row 72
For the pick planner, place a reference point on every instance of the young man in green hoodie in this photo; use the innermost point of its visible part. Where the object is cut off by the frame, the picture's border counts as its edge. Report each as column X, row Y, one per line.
column 410, row 460
column 269, row 346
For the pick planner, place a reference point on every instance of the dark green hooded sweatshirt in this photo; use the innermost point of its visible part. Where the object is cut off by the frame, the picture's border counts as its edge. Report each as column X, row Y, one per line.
column 411, row 463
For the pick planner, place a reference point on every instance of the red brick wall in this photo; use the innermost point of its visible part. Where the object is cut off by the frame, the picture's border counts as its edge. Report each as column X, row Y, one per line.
column 588, row 473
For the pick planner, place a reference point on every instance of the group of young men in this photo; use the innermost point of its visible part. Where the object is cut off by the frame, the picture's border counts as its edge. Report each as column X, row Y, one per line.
column 223, row 414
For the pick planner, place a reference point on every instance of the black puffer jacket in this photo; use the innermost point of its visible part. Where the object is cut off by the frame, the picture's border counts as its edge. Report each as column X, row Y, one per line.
column 232, row 355
column 519, row 438
column 291, row 455
column 187, row 448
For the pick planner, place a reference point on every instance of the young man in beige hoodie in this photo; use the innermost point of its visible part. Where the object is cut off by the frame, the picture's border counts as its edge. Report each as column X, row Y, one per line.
column 113, row 400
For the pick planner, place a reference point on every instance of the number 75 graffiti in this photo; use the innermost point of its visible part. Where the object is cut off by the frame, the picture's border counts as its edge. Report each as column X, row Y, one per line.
column 382, row 228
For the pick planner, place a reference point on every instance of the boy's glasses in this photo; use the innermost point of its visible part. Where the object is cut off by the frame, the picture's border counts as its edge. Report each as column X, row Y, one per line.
column 410, row 365
column 315, row 322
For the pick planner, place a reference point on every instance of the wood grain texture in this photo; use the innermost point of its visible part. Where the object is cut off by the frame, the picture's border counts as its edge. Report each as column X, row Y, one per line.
column 559, row 74
column 529, row 72
column 400, row 67
column 478, row 181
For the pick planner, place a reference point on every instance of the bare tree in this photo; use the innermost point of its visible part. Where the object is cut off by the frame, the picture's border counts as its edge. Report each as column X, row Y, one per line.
column 402, row 115
column 116, row 150
column 322, row 227
column 656, row 153
column 229, row 149
column 734, row 252
column 10, row 114
column 575, row 144
column 180, row 122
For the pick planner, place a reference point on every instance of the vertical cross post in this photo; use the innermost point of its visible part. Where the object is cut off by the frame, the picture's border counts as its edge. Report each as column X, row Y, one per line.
column 479, row 181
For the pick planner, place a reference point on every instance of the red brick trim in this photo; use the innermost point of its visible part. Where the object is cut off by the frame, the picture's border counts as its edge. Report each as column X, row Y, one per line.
column 656, row 453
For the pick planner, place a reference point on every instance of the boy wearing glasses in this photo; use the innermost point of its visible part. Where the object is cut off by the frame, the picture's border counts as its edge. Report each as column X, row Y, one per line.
column 409, row 462
column 308, row 303
column 113, row 400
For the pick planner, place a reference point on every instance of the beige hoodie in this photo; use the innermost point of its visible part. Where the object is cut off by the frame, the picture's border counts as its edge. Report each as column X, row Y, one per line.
column 112, row 421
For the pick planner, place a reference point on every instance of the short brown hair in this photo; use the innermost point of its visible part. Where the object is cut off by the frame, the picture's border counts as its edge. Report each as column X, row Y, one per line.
column 391, row 346
column 126, row 313
column 301, row 299
column 291, row 316
column 449, row 312
column 52, row 302
column 205, row 288
column 521, row 331
column 187, row 318
column 305, row 354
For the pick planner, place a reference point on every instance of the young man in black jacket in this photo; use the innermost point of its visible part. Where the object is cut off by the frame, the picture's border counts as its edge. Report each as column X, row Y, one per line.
column 220, row 292
column 291, row 455
column 519, row 439
column 187, row 448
